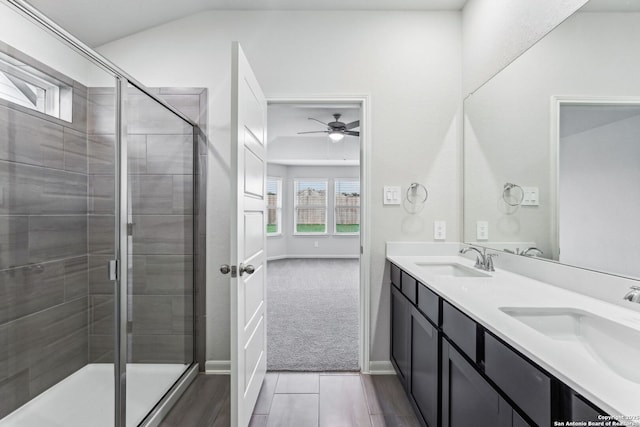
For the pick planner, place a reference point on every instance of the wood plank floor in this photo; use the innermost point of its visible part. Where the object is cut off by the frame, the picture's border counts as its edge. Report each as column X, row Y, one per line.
column 300, row 400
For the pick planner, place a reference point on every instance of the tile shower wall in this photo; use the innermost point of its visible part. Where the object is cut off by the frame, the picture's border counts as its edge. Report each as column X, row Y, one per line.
column 43, row 255
column 160, row 151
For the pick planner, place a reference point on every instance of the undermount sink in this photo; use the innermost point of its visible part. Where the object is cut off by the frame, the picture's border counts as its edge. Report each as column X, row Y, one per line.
column 450, row 269
column 610, row 343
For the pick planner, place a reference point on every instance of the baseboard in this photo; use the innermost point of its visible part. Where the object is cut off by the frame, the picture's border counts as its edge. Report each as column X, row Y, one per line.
column 381, row 367
column 217, row 367
column 277, row 257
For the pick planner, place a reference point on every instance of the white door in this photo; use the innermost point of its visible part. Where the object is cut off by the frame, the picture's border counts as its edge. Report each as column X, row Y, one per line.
column 248, row 239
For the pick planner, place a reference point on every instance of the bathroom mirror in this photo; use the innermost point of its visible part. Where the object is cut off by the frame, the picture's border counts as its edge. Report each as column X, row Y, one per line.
column 552, row 146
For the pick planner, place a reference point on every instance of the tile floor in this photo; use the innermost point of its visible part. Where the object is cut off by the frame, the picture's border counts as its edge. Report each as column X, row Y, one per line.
column 300, row 400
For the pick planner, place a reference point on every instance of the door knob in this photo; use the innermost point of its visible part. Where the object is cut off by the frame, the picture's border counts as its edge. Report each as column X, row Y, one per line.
column 225, row 269
column 246, row 269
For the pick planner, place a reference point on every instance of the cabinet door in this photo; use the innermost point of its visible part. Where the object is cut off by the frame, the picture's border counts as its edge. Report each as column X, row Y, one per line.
column 400, row 334
column 467, row 399
column 424, row 367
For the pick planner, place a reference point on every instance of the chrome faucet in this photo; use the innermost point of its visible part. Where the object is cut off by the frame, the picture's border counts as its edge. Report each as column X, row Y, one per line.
column 484, row 261
column 527, row 252
column 633, row 295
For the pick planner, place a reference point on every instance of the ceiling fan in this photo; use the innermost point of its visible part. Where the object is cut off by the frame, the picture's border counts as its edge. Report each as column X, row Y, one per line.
column 337, row 129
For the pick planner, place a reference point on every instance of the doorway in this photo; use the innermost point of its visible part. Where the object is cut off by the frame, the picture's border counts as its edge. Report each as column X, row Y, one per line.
column 315, row 233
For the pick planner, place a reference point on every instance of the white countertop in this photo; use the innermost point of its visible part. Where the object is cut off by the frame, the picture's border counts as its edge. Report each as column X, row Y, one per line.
column 480, row 298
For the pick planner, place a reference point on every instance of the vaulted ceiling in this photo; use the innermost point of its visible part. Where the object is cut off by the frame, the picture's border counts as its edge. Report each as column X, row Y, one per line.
column 97, row 22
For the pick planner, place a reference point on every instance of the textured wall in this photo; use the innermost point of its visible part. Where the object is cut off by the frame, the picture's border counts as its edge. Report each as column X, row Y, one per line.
column 495, row 32
column 408, row 62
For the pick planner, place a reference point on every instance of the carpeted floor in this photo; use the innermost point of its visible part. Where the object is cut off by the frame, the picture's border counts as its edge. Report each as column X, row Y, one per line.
column 312, row 315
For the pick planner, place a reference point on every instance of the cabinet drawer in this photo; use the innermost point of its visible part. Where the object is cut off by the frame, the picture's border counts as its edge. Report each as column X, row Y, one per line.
column 524, row 383
column 583, row 411
column 428, row 303
column 409, row 285
column 460, row 329
column 395, row 275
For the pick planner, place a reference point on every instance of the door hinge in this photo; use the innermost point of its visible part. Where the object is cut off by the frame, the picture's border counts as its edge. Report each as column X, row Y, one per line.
column 130, row 229
column 112, row 268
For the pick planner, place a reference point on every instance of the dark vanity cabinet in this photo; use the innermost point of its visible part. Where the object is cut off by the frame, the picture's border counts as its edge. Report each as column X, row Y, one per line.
column 458, row 374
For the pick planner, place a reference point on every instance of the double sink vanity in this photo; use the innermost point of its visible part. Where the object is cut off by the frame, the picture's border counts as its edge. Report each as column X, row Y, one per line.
column 481, row 348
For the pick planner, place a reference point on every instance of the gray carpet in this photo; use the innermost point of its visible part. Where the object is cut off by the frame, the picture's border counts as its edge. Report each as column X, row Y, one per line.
column 312, row 309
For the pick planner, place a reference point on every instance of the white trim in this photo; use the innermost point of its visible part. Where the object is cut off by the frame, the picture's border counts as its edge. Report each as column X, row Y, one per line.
column 217, row 367
column 554, row 153
column 364, row 101
column 381, row 367
column 307, row 162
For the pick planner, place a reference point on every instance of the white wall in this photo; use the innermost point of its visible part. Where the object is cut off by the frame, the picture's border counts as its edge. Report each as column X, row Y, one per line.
column 599, row 176
column 329, row 245
column 409, row 64
column 495, row 32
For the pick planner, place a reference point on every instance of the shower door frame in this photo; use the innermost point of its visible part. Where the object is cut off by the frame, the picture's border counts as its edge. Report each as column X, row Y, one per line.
column 123, row 79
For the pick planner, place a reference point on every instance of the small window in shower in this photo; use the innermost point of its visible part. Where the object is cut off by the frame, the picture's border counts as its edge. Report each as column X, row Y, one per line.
column 24, row 85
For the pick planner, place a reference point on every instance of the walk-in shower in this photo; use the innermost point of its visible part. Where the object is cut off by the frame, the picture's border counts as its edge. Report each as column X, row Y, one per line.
column 100, row 240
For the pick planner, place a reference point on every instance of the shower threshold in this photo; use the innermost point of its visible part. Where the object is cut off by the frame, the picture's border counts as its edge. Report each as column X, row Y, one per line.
column 86, row 397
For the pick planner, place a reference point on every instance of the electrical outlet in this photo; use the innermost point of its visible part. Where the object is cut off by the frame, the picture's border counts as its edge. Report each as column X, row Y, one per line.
column 439, row 230
column 482, row 230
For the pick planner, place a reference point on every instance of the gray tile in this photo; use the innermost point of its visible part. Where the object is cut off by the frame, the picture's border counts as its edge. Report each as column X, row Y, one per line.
column 14, row 233
column 30, row 289
column 183, row 202
column 294, row 410
column 101, row 234
column 263, row 405
column 202, row 402
column 4, row 355
column 29, row 336
column 101, row 152
column 99, row 283
column 224, row 417
column 162, row 274
column 63, row 192
column 158, row 234
column 101, row 197
column 137, row 154
column 153, row 314
column 59, row 360
column 14, row 392
column 162, row 349
column 298, row 383
column 147, row 116
column 187, row 104
column 170, row 154
column 21, row 189
column 31, row 139
column 75, row 151
column 342, row 402
column 393, row 421
column 101, row 308
column 101, row 111
column 55, row 237
column 151, row 194
column 76, row 278
column 259, row 421
column 101, row 348
column 385, row 395
column 79, row 108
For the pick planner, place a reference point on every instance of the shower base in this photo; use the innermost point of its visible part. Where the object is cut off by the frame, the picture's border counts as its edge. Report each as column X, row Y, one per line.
column 86, row 398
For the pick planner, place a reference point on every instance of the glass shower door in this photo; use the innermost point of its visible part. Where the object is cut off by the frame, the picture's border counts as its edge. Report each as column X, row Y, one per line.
column 160, row 339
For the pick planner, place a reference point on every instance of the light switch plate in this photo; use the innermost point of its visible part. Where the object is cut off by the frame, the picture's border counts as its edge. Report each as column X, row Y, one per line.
column 482, row 230
column 439, row 230
column 391, row 195
column 531, row 196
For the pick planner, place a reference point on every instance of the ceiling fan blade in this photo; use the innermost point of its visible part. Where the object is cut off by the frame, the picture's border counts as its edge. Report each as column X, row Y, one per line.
column 314, row 131
column 353, row 124
column 311, row 118
column 352, row 133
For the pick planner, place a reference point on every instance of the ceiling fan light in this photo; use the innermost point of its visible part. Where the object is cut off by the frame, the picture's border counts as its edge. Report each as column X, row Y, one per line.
column 336, row 136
